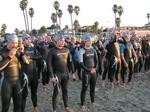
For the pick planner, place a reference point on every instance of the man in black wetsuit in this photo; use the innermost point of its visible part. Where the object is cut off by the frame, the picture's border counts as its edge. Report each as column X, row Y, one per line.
column 31, row 70
column 89, row 62
column 59, row 64
column 146, row 54
column 10, row 65
column 43, row 49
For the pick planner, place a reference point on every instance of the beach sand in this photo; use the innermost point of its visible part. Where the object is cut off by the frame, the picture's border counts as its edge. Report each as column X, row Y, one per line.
column 134, row 97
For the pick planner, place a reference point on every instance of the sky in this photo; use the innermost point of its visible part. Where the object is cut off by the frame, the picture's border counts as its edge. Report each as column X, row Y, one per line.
column 90, row 11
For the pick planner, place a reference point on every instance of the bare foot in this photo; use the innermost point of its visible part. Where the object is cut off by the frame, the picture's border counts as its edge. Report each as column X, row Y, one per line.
column 103, row 84
column 35, row 109
column 67, row 109
column 94, row 104
column 83, row 109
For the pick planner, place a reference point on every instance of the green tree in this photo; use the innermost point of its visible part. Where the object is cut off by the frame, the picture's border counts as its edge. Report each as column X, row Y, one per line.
column 3, row 29
column 17, row 32
column 43, row 29
column 76, row 25
column 95, row 27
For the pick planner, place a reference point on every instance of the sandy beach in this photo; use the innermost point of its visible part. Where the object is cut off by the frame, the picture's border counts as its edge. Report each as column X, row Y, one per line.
column 134, row 97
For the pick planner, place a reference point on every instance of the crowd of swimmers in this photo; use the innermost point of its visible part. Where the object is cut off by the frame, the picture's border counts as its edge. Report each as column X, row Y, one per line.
column 26, row 61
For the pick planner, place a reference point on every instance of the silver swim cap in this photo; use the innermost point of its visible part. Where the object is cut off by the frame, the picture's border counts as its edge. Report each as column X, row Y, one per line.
column 11, row 37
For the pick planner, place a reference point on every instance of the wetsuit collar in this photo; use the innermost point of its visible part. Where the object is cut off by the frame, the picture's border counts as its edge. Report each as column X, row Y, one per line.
column 59, row 47
column 88, row 47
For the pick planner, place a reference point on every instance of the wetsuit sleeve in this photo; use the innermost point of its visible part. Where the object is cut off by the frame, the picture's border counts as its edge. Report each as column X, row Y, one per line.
column 134, row 53
column 70, row 63
column 81, row 53
column 37, row 55
column 122, row 47
column 132, row 48
column 22, row 57
column 49, row 64
column 4, row 62
column 105, row 43
column 96, row 60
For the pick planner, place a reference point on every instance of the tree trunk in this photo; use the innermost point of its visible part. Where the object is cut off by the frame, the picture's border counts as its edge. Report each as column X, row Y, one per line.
column 25, row 21
column 60, row 23
column 76, row 17
column 56, row 16
column 71, row 23
column 55, row 28
column 115, row 19
column 31, row 26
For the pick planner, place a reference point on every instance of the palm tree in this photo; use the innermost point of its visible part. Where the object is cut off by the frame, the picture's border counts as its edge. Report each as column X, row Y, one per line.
column 54, row 17
column 60, row 13
column 66, row 28
column 95, row 27
column 31, row 13
column 3, row 29
column 70, row 10
column 23, row 6
column 17, row 31
column 26, row 3
column 118, row 22
column 76, row 25
column 115, row 9
column 56, row 7
column 54, row 20
column 148, row 16
column 120, row 11
column 76, row 10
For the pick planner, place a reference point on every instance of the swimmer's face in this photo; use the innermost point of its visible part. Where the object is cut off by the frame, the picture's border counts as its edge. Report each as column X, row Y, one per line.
column 61, row 43
column 88, row 43
column 13, row 44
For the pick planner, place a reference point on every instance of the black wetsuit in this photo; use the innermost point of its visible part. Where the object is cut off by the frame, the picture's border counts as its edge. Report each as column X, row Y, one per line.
column 106, row 59
column 96, row 47
column 139, row 64
column 109, row 63
column 31, row 70
column 43, row 49
column 74, row 50
column 11, row 84
column 146, row 53
column 88, row 59
column 59, row 63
